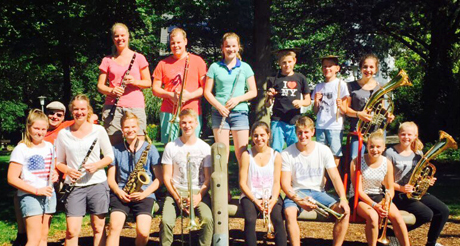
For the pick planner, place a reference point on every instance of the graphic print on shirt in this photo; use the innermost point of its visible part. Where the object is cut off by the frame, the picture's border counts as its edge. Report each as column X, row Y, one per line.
column 289, row 89
column 196, row 162
column 39, row 166
column 261, row 181
column 304, row 171
column 327, row 103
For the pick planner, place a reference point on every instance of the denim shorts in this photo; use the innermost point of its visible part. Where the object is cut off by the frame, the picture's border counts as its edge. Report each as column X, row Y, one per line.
column 319, row 196
column 331, row 138
column 237, row 120
column 32, row 205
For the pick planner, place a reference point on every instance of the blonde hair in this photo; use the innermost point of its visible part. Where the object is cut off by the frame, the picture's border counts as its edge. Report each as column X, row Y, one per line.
column 379, row 134
column 34, row 116
column 177, row 30
column 82, row 97
column 188, row 112
column 232, row 35
column 286, row 53
column 417, row 144
column 112, row 31
column 129, row 116
column 304, row 121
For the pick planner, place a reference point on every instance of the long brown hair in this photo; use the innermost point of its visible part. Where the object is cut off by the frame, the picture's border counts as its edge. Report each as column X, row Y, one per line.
column 34, row 115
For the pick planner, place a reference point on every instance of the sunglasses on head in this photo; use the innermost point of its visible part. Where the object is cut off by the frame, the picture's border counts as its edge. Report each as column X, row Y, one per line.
column 58, row 114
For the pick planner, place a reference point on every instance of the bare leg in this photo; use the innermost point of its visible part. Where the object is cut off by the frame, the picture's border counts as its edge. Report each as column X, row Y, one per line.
column 117, row 219
column 372, row 221
column 399, row 226
column 240, row 140
column 340, row 227
column 73, row 230
column 98, row 225
column 292, row 225
column 143, row 223
column 222, row 137
column 21, row 227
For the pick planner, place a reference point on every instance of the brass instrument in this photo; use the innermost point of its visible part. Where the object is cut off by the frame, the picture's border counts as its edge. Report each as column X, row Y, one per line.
column 375, row 106
column 383, row 223
column 321, row 209
column 138, row 177
column 424, row 171
column 266, row 215
column 178, row 108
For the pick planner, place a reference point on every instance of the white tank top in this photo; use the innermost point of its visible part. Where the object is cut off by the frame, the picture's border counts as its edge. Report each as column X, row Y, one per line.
column 372, row 178
column 260, row 178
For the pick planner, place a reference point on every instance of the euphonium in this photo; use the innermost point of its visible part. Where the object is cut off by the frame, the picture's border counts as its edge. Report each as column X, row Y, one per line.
column 375, row 106
column 321, row 208
column 424, row 171
column 266, row 215
column 386, row 201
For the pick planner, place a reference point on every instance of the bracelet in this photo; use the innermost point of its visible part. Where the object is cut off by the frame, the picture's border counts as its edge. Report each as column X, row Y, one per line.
column 343, row 199
column 357, row 114
column 373, row 204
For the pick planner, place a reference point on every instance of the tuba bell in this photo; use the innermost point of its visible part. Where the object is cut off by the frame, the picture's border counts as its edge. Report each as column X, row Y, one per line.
column 375, row 106
column 424, row 171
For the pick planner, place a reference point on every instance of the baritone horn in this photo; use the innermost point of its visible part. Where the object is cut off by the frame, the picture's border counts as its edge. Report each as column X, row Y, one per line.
column 424, row 171
column 383, row 223
column 321, row 209
column 266, row 215
column 375, row 106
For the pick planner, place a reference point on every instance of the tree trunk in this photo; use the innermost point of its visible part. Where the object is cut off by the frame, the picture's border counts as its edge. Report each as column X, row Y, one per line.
column 262, row 64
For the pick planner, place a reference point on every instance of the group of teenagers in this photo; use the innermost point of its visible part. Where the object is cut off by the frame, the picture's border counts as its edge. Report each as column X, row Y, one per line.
column 81, row 150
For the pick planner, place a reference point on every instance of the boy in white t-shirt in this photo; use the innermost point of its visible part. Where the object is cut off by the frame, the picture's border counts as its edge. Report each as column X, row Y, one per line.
column 302, row 172
column 174, row 161
column 330, row 106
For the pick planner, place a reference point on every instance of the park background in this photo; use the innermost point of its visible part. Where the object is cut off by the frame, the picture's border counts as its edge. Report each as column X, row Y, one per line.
column 53, row 49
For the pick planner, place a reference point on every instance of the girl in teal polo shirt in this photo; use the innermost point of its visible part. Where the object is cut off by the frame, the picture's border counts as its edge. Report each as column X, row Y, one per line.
column 234, row 84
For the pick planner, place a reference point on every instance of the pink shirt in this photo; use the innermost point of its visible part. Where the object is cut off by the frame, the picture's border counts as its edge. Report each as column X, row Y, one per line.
column 133, row 97
column 171, row 71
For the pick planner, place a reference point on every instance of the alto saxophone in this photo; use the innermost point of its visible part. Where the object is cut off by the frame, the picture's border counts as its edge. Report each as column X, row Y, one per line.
column 424, row 171
column 375, row 107
column 138, row 177
column 266, row 215
column 386, row 201
column 321, row 209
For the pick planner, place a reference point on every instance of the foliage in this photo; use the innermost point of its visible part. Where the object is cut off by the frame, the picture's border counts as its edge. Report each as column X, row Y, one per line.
column 10, row 112
column 153, row 131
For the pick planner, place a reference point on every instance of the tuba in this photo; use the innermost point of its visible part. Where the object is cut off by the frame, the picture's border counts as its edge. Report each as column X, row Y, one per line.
column 266, row 215
column 375, row 106
column 424, row 171
column 386, row 201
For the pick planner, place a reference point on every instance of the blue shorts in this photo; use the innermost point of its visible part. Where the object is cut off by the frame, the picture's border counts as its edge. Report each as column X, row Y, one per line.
column 282, row 132
column 319, row 196
column 331, row 138
column 237, row 120
column 32, row 205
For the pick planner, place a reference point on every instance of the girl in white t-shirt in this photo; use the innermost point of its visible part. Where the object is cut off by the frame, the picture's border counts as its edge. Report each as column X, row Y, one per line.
column 377, row 170
column 29, row 172
column 259, row 180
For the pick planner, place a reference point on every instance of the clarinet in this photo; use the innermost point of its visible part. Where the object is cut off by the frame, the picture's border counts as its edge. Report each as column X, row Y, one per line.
column 68, row 188
column 123, row 85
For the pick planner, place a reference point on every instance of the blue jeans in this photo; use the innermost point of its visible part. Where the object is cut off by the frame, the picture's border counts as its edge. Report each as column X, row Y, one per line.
column 331, row 138
column 319, row 196
column 282, row 132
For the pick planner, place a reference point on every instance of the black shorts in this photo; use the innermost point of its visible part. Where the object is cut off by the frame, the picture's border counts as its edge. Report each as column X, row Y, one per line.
column 375, row 197
column 137, row 208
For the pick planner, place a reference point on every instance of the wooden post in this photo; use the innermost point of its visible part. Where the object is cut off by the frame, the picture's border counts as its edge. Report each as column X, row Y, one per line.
column 219, row 194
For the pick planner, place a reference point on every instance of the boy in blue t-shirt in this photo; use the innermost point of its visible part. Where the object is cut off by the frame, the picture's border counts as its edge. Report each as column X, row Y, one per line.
column 287, row 92
column 330, row 100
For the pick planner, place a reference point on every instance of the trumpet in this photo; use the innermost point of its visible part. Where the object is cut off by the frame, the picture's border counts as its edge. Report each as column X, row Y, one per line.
column 384, row 221
column 266, row 215
column 321, row 209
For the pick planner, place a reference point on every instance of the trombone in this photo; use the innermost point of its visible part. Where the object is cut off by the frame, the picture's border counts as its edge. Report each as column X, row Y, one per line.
column 178, row 107
column 322, row 209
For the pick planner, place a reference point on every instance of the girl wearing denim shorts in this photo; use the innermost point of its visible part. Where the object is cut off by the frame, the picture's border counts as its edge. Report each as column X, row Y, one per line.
column 78, row 151
column 30, row 172
column 234, row 84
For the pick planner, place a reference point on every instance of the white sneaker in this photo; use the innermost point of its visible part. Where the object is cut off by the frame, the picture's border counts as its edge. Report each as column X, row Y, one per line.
column 393, row 241
column 438, row 244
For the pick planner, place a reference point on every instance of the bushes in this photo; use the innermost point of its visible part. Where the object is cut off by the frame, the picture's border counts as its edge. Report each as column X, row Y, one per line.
column 153, row 131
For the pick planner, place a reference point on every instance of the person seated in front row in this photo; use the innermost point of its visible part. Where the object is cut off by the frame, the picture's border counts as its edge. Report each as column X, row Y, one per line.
column 303, row 168
column 132, row 157
column 187, row 153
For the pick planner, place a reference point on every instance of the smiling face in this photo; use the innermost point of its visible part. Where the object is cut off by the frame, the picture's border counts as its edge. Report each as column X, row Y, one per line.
column 287, row 64
column 407, row 135
column 37, row 131
column 369, row 68
column 177, row 43
column 260, row 137
column 120, row 37
column 188, row 124
column 230, row 48
column 80, row 110
column 304, row 134
column 55, row 118
column 375, row 147
column 329, row 69
column 130, row 128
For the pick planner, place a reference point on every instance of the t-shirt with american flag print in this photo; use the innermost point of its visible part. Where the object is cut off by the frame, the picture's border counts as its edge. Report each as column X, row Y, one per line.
column 36, row 164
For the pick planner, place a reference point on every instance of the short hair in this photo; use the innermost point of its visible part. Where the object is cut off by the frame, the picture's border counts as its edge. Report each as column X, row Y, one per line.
column 232, row 35
column 282, row 54
column 188, row 112
column 116, row 25
column 82, row 97
column 335, row 60
column 417, row 145
column 379, row 134
column 177, row 30
column 304, row 121
column 33, row 116
column 129, row 116
column 369, row 56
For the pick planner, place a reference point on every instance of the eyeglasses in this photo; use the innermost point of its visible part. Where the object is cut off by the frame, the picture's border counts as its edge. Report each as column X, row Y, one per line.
column 58, row 114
